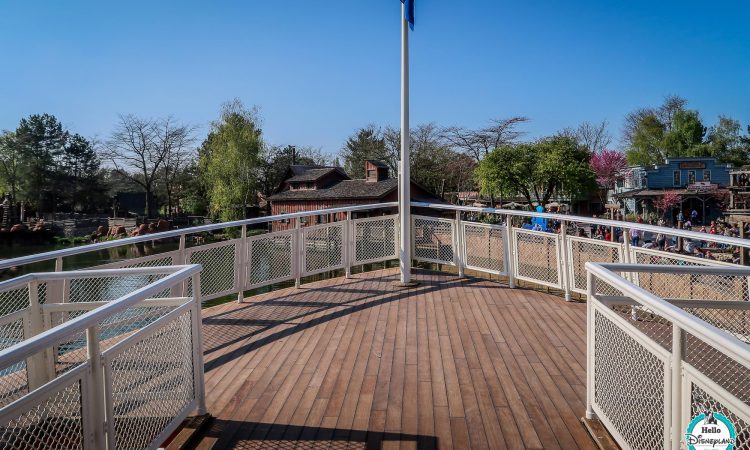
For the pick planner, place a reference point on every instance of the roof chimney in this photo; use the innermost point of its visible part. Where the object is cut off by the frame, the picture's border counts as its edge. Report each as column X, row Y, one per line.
column 375, row 171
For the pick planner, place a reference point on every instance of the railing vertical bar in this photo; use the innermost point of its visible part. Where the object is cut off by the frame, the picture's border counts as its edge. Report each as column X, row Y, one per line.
column 459, row 245
column 590, row 336
column 562, row 253
column 297, row 255
column 678, row 349
column 197, row 333
column 509, row 245
column 180, row 258
column 348, row 244
column 242, row 267
column 38, row 372
column 109, row 405
column 97, row 408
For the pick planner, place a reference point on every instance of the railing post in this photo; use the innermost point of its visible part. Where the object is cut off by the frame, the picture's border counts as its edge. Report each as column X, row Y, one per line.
column 242, row 275
column 458, row 253
column 180, row 289
column 563, row 256
column 509, row 251
column 297, row 257
column 198, row 377
column 678, row 349
column 61, row 290
column 626, row 247
column 590, row 360
column 98, row 420
column 349, row 237
column 38, row 367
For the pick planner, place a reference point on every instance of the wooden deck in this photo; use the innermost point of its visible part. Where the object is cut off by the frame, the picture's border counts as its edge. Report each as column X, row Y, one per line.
column 357, row 364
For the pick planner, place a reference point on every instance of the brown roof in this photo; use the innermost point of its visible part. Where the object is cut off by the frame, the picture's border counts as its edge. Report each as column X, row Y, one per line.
column 378, row 163
column 345, row 189
column 314, row 174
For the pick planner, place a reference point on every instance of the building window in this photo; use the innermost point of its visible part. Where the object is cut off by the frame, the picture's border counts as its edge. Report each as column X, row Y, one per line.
column 707, row 175
column 371, row 174
column 691, row 176
column 676, row 178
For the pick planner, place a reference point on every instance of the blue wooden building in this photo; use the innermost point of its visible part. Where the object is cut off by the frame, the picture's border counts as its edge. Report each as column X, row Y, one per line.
column 701, row 182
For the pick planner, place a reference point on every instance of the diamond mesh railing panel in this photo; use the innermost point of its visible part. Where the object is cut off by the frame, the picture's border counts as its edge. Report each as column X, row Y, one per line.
column 484, row 245
column 583, row 250
column 707, row 293
column 107, row 289
column 375, row 239
column 733, row 321
column 270, row 259
column 14, row 300
column 723, row 370
column 433, row 239
column 55, row 423
column 701, row 402
column 13, row 383
column 324, row 248
column 151, row 383
column 219, row 268
column 629, row 385
column 152, row 262
column 11, row 333
column 536, row 257
column 669, row 285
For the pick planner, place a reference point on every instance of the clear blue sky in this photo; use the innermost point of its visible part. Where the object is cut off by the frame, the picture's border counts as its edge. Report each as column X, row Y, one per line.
column 319, row 69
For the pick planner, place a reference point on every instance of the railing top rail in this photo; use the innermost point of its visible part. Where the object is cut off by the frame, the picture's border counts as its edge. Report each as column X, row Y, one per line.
column 43, row 340
column 711, row 334
column 46, row 256
column 665, row 268
column 590, row 220
column 92, row 273
column 13, row 283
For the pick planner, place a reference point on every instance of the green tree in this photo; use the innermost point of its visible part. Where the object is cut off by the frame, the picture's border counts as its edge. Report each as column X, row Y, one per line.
column 685, row 136
column 645, row 142
column 10, row 164
column 194, row 194
column 366, row 143
column 727, row 143
column 554, row 165
column 79, row 169
column 42, row 140
column 276, row 161
column 229, row 160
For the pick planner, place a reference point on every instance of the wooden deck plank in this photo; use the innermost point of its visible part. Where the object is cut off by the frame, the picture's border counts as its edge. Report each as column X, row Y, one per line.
column 354, row 363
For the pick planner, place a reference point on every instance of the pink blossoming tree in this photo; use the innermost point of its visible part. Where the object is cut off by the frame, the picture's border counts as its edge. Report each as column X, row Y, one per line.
column 609, row 166
column 667, row 202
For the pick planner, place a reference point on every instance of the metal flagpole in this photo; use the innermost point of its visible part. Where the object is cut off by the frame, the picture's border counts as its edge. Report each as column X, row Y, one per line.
column 404, row 205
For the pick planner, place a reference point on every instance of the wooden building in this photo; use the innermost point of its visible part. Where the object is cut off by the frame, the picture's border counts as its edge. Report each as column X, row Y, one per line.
column 310, row 188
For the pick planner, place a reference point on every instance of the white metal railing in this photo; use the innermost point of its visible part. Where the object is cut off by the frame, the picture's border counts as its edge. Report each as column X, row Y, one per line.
column 98, row 359
column 442, row 234
column 248, row 262
column 543, row 258
column 654, row 364
column 446, row 236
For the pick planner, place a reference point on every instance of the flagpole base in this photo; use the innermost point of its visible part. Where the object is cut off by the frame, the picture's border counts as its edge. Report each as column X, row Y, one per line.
column 405, row 285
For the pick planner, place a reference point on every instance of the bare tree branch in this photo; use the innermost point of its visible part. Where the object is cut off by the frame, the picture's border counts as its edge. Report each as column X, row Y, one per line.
column 477, row 143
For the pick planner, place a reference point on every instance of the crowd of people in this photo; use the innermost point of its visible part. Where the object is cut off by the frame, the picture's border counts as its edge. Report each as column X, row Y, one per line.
column 664, row 241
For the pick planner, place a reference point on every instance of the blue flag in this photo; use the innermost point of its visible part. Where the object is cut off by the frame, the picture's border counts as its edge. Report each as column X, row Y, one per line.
column 409, row 12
